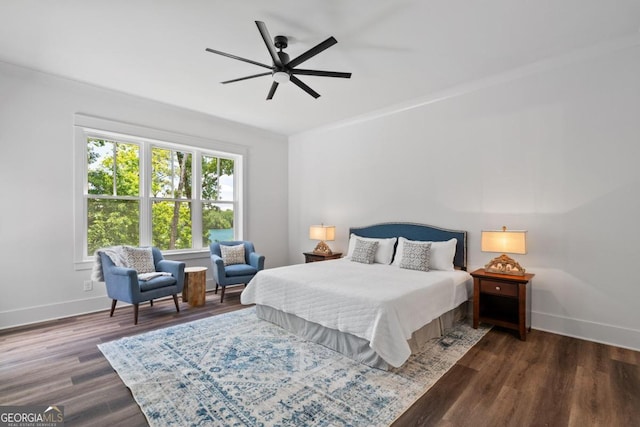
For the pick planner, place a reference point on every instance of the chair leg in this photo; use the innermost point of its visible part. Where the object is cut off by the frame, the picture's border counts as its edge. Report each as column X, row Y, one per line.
column 175, row 300
column 216, row 291
column 135, row 313
column 222, row 293
column 151, row 301
column 113, row 307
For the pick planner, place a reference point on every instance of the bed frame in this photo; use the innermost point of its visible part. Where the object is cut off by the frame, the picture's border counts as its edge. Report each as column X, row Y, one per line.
column 358, row 348
column 423, row 232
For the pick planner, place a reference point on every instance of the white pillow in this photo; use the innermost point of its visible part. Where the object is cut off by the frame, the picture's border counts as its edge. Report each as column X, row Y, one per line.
column 442, row 254
column 440, row 257
column 384, row 253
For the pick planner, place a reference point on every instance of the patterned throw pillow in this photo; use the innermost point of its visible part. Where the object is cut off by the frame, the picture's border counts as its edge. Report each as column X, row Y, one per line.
column 140, row 259
column 415, row 256
column 364, row 251
column 232, row 254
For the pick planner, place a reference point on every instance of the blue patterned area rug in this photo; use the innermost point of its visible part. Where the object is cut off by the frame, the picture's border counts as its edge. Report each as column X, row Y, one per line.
column 237, row 370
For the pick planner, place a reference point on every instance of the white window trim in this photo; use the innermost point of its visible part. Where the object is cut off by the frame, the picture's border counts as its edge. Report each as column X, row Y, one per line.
column 85, row 125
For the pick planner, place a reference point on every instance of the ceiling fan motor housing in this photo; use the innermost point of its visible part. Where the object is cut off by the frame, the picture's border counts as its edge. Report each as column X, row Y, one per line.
column 281, row 42
column 284, row 58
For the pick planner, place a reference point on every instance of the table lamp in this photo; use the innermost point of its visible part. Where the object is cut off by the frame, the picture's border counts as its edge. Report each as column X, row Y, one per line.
column 512, row 242
column 322, row 232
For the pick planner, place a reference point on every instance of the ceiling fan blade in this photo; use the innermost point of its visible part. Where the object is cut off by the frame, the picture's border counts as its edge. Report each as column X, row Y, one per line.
column 228, row 55
column 304, row 87
column 269, row 42
column 272, row 91
column 321, row 73
column 248, row 77
column 312, row 52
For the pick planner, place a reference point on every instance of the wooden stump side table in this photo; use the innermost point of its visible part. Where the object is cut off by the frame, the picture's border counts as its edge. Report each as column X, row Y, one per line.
column 195, row 285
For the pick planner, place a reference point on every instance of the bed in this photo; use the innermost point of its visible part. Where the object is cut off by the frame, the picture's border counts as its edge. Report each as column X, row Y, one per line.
column 377, row 313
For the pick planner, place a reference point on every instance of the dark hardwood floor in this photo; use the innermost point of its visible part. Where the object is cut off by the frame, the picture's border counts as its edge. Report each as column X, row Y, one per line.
column 549, row 380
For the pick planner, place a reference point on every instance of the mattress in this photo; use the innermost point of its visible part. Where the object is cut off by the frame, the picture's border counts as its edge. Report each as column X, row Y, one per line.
column 381, row 304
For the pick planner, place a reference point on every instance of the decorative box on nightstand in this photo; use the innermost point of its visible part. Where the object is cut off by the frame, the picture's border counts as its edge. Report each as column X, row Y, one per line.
column 502, row 300
column 314, row 257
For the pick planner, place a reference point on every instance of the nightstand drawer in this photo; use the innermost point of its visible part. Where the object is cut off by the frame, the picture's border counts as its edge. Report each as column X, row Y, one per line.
column 498, row 288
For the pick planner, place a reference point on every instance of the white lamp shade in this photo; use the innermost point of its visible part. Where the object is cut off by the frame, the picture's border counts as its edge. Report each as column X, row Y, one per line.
column 505, row 242
column 322, row 232
column 281, row 77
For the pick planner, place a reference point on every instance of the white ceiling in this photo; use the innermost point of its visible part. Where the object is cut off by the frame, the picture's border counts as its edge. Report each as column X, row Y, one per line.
column 396, row 50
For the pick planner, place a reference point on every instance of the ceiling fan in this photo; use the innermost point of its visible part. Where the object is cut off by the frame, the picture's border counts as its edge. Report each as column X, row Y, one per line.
column 283, row 69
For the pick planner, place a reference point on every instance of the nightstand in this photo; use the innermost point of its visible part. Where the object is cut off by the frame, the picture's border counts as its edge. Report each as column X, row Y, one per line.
column 314, row 257
column 502, row 300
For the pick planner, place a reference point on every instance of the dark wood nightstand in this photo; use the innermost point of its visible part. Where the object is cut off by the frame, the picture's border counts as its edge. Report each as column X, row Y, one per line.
column 502, row 300
column 314, row 257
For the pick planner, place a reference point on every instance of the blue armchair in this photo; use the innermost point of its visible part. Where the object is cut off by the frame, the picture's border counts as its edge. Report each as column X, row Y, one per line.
column 123, row 285
column 236, row 274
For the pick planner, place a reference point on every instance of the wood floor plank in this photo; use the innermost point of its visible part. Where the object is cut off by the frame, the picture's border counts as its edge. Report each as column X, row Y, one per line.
column 591, row 399
column 502, row 381
column 434, row 404
column 625, row 390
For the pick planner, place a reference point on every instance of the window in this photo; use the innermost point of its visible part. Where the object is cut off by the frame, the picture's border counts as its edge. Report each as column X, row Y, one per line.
column 171, row 198
column 217, row 199
column 113, row 196
column 141, row 191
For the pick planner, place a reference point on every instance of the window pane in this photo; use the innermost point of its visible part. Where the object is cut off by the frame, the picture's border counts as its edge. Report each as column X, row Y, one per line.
column 171, row 225
column 127, row 170
column 217, row 223
column 171, row 174
column 100, row 166
column 209, row 178
column 217, row 178
column 103, row 158
column 226, row 180
column 112, row 222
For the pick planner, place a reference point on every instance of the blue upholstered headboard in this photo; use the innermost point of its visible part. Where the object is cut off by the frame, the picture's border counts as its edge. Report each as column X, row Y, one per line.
column 422, row 232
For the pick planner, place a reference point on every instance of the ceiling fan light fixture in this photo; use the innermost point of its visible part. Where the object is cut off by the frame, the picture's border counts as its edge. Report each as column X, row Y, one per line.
column 281, row 76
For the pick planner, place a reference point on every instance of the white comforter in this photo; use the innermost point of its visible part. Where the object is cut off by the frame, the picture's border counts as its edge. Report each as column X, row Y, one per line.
column 380, row 303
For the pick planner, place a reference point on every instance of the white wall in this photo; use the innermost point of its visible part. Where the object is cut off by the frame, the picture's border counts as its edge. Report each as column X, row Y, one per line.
column 554, row 152
column 38, row 279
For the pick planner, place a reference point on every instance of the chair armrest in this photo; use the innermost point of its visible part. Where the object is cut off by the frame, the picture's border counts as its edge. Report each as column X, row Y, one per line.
column 217, row 261
column 256, row 260
column 176, row 268
column 218, row 268
column 170, row 266
column 122, row 283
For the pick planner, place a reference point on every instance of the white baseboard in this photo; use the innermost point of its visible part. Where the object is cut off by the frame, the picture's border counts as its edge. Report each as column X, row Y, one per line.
column 586, row 330
column 43, row 313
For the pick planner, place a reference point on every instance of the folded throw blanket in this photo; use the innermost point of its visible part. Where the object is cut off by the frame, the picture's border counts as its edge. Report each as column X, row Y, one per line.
column 113, row 252
column 148, row 276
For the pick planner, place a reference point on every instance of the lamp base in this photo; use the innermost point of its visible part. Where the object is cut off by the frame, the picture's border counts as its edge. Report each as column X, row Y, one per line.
column 504, row 265
column 323, row 249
